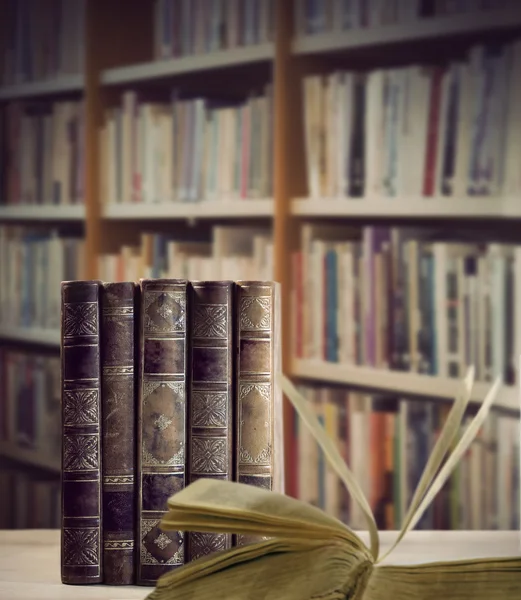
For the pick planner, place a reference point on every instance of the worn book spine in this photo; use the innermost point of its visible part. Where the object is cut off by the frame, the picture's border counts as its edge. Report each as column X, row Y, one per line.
column 259, row 443
column 81, row 444
column 118, row 402
column 210, row 425
column 161, row 422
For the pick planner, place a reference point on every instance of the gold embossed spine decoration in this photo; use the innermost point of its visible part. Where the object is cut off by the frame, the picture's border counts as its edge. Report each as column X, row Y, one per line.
column 259, row 454
column 81, row 534
column 210, row 411
column 161, row 422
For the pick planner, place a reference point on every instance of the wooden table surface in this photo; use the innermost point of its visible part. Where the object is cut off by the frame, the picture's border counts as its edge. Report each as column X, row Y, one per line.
column 30, row 561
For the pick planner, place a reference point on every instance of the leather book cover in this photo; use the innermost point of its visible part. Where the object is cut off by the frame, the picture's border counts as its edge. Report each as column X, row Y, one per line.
column 210, row 429
column 259, row 433
column 81, row 443
column 161, row 422
column 118, row 403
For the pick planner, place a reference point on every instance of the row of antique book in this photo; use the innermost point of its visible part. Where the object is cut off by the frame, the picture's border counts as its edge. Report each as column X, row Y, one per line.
column 163, row 382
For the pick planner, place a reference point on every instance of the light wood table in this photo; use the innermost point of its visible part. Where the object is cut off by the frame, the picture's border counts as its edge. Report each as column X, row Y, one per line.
column 30, row 561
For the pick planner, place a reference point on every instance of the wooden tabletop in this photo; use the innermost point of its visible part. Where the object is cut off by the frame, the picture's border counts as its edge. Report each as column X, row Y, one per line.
column 30, row 561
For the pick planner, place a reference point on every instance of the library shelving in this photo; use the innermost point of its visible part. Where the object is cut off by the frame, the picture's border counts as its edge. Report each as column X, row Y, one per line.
column 48, row 213
column 411, row 208
column 161, row 69
column 31, row 335
column 396, row 382
column 234, row 209
column 444, row 27
column 43, row 88
column 120, row 55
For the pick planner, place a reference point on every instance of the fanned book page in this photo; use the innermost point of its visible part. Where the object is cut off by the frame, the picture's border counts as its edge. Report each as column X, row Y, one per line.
column 307, row 554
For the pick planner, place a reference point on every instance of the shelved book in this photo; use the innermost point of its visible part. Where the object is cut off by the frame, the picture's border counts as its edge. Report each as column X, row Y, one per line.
column 387, row 440
column 42, row 152
column 33, row 262
column 42, row 41
column 416, row 301
column 199, row 27
column 187, row 149
column 30, row 403
column 326, row 16
column 163, row 382
column 227, row 252
column 416, row 131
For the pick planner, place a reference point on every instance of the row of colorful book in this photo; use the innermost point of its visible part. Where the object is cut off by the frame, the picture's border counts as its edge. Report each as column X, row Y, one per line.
column 417, row 301
column 186, row 28
column 33, row 263
column 42, row 153
column 163, row 383
column 314, row 17
column 43, row 40
column 386, row 440
column 30, row 402
column 416, row 131
column 187, row 150
column 228, row 252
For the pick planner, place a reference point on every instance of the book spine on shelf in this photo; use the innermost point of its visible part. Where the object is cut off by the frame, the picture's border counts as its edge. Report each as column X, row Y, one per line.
column 210, row 426
column 118, row 394
column 161, row 422
column 259, row 447
column 81, row 447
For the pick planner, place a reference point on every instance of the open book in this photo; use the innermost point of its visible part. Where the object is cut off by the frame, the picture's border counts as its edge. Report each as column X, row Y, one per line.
column 308, row 555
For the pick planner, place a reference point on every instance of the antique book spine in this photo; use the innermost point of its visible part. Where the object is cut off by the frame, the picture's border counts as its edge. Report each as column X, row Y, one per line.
column 259, row 443
column 161, row 422
column 118, row 402
column 210, row 410
column 81, row 443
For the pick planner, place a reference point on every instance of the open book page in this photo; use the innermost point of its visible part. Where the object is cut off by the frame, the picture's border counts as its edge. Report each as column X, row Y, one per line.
column 327, row 572
column 310, row 555
column 223, row 506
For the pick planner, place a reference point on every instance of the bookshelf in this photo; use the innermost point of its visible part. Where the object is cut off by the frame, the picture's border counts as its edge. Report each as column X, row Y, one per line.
column 445, row 28
column 408, row 208
column 409, row 384
column 42, row 89
column 233, row 209
column 119, row 56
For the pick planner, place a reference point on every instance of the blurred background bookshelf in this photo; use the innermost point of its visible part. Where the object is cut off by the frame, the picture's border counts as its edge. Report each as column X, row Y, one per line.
column 365, row 154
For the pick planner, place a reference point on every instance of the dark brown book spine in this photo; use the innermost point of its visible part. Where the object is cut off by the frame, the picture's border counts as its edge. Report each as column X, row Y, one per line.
column 118, row 402
column 81, row 443
column 259, row 443
column 161, row 422
column 210, row 450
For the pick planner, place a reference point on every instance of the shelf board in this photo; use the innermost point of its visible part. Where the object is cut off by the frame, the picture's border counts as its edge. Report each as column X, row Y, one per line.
column 413, row 208
column 42, row 212
column 26, row 456
column 31, row 335
column 163, row 68
column 383, row 380
column 238, row 209
column 48, row 87
column 423, row 29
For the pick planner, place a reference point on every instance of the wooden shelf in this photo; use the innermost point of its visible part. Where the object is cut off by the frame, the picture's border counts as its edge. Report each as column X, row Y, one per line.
column 413, row 208
column 29, row 457
column 42, row 212
column 30, row 335
column 424, row 29
column 238, row 209
column 60, row 85
column 408, row 384
column 160, row 69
